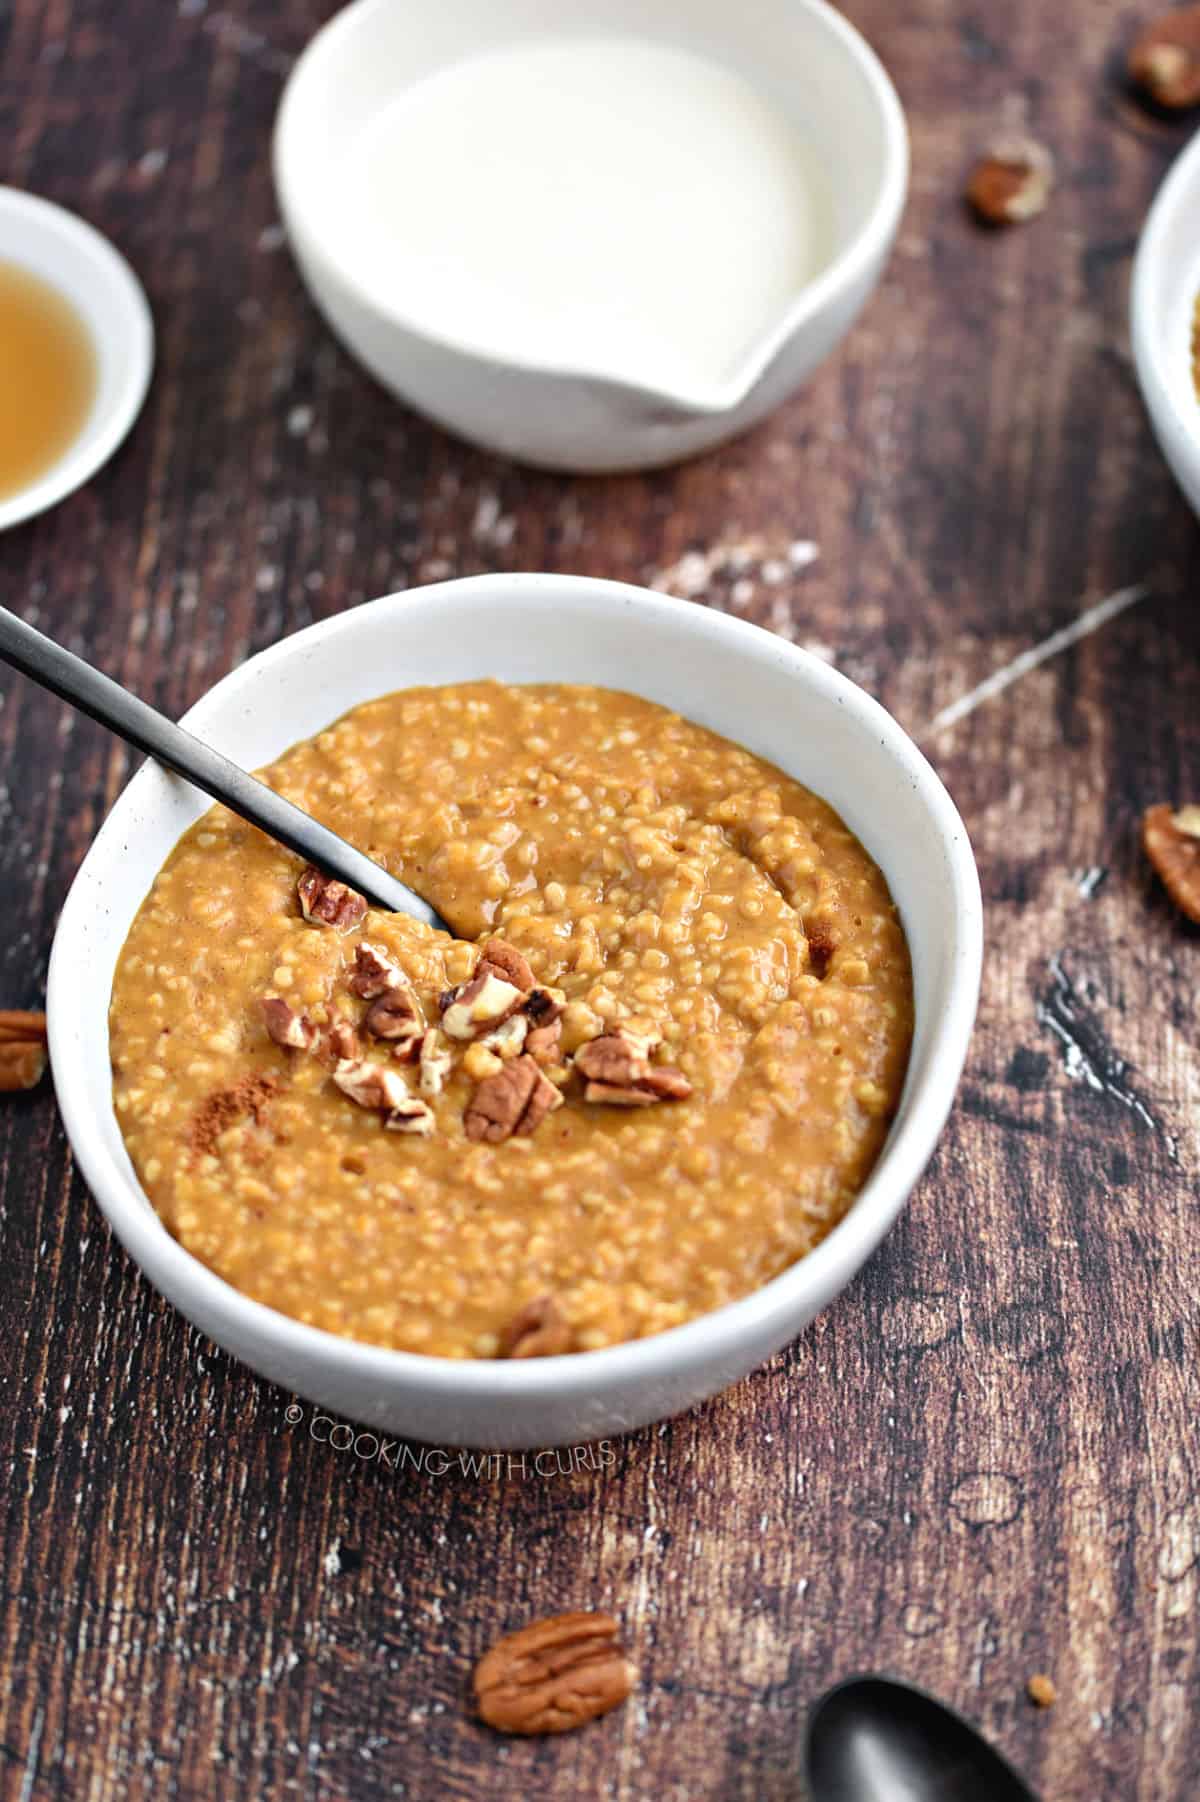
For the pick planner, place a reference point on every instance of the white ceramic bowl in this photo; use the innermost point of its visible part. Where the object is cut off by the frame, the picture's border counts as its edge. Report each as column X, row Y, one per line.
column 106, row 294
column 1166, row 285
column 800, row 50
column 782, row 703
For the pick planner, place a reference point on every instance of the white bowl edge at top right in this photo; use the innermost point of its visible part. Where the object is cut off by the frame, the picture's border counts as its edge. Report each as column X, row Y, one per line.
column 1165, row 289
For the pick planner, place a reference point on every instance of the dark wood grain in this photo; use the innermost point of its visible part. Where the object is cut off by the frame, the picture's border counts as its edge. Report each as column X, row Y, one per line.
column 982, row 1461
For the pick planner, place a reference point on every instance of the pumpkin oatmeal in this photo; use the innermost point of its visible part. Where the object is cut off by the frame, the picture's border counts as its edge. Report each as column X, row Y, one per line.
column 652, row 1071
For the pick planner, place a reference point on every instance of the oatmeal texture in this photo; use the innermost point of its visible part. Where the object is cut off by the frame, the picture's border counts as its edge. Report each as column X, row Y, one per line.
column 382, row 1131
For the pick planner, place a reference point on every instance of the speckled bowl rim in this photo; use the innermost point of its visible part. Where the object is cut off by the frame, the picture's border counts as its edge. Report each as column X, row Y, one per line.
column 700, row 1342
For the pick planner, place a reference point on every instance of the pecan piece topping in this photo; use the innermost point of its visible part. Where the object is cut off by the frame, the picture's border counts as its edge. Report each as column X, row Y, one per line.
column 538, row 1331
column 544, row 1006
column 618, row 1071
column 545, row 1043
column 508, row 1039
column 1165, row 59
column 505, row 960
column 22, row 1049
column 1172, row 843
column 329, row 903
column 435, row 1063
column 286, row 1027
column 515, row 1100
column 553, row 1675
column 412, row 1116
column 374, row 972
column 396, row 1016
column 341, row 1042
column 371, row 1085
column 482, row 1003
column 1012, row 183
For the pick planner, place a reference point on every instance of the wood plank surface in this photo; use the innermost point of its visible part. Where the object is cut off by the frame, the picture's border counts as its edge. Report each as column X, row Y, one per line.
column 981, row 1462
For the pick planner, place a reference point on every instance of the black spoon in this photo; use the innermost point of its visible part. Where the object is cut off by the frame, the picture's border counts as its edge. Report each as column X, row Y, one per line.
column 75, row 681
column 873, row 1739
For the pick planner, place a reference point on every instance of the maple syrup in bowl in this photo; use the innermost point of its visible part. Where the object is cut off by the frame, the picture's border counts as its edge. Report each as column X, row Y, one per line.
column 76, row 351
column 47, row 376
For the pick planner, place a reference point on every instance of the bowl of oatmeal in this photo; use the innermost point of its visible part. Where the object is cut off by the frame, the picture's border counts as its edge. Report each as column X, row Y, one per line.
column 592, row 1156
column 1165, row 319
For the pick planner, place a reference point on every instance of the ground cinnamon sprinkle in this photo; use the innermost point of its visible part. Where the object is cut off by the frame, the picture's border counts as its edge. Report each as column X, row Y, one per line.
column 225, row 1106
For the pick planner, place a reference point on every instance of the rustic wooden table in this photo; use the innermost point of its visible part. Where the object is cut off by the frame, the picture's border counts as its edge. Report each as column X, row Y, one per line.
column 982, row 1462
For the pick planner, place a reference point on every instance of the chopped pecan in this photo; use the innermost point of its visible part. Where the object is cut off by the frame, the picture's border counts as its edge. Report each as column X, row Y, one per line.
column 820, row 949
column 538, row 1331
column 515, row 1100
column 327, row 902
column 22, row 1049
column 371, row 1085
column 499, row 1101
column 508, row 1039
column 544, row 1006
column 484, row 1002
column 506, row 961
column 396, row 1016
column 1165, row 59
column 553, row 1675
column 285, row 1026
column 545, row 1042
column 543, row 1099
column 374, row 972
column 614, row 1058
column 1172, row 843
column 1012, row 183
column 341, row 1042
column 661, row 1082
column 435, row 1062
column 412, row 1115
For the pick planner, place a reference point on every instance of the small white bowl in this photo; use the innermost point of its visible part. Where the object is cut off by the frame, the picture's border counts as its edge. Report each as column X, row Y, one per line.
column 780, row 702
column 578, row 419
column 1165, row 289
column 98, row 282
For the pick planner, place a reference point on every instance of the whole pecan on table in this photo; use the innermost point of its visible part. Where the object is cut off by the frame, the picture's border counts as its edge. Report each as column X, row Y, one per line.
column 1172, row 843
column 554, row 1675
column 1164, row 61
column 22, row 1049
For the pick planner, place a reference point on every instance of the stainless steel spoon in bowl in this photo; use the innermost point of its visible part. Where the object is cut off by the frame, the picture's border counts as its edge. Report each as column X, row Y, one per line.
column 104, row 700
column 873, row 1739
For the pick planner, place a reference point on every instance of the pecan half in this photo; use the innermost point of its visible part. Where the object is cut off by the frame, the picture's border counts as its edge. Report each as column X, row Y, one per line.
column 545, row 1043
column 329, row 903
column 538, row 1331
column 396, row 1016
column 371, row 1085
column 612, row 1059
column 1012, row 183
column 435, row 1063
column 1165, row 59
column 285, row 1026
column 506, row 961
column 1172, row 843
column 554, row 1675
column 22, row 1049
column 515, row 1100
column 374, row 972
column 482, row 1003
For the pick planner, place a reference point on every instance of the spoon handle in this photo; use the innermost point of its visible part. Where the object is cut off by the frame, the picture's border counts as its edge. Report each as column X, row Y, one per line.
column 75, row 681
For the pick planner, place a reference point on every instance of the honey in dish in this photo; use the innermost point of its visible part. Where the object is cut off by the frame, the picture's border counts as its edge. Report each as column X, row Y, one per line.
column 47, row 376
